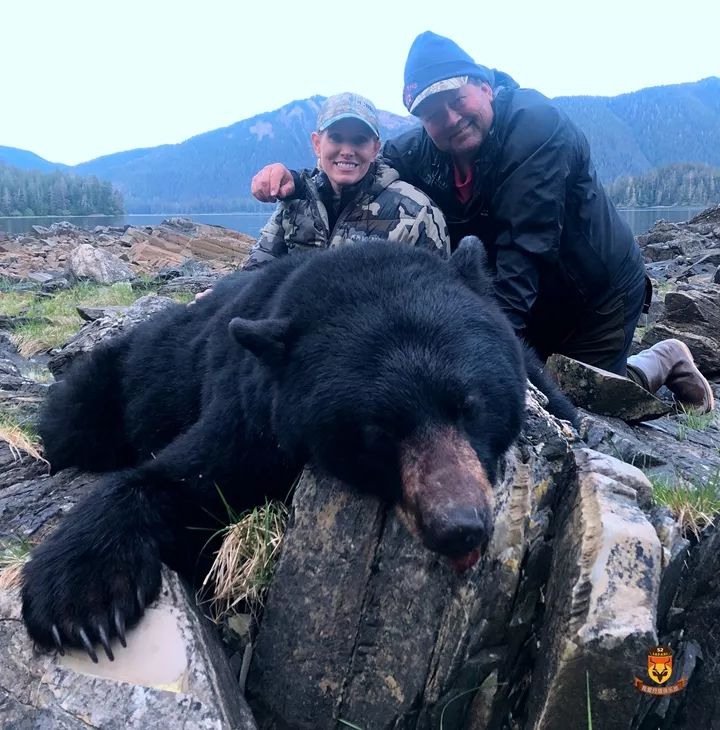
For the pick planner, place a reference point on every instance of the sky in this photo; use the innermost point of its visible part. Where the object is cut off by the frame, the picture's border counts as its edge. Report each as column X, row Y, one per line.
column 85, row 78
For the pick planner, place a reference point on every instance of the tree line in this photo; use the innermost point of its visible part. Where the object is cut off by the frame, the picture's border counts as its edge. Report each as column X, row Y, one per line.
column 32, row 193
column 681, row 184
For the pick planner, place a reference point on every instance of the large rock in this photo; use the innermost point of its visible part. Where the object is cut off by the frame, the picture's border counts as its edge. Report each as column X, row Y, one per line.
column 98, row 330
column 20, row 397
column 603, row 392
column 601, row 600
column 363, row 624
column 697, row 607
column 666, row 449
column 173, row 674
column 144, row 250
column 94, row 264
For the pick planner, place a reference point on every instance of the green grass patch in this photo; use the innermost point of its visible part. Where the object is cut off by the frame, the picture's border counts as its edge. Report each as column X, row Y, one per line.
column 55, row 318
column 694, row 420
column 182, row 297
column 694, row 504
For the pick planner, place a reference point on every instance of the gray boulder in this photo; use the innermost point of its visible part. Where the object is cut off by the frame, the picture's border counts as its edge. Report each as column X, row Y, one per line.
column 173, row 674
column 94, row 264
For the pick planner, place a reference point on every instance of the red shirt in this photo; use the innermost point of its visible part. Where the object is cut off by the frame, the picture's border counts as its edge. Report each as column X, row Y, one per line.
column 463, row 188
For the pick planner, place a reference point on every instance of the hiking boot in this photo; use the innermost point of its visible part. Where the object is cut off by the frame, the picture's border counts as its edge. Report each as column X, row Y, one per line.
column 670, row 363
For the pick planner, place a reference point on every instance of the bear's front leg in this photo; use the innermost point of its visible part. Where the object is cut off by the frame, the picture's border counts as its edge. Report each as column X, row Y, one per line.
column 95, row 574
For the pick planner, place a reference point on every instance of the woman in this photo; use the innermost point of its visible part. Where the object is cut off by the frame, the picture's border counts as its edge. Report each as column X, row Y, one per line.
column 350, row 195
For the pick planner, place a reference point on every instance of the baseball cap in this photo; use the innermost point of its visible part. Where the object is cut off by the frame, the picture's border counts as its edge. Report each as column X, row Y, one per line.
column 348, row 106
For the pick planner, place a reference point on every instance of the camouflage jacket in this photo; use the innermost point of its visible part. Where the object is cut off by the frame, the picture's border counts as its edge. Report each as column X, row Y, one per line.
column 380, row 205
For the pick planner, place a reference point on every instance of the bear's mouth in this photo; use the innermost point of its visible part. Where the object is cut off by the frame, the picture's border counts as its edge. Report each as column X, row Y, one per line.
column 461, row 564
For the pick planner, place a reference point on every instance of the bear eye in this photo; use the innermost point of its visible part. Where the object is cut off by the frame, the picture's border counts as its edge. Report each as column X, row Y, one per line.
column 372, row 435
column 471, row 406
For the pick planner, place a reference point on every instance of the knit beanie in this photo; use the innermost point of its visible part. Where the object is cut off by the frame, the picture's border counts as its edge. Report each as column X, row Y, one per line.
column 434, row 64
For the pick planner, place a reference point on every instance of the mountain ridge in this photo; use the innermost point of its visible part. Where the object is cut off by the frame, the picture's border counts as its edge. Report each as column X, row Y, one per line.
column 629, row 134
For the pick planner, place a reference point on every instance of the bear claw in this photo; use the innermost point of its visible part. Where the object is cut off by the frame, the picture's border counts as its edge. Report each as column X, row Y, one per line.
column 88, row 646
column 120, row 627
column 102, row 634
column 58, row 641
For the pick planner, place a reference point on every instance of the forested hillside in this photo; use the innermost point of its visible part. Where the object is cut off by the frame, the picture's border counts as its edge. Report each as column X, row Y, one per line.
column 671, row 185
column 31, row 193
column 664, row 125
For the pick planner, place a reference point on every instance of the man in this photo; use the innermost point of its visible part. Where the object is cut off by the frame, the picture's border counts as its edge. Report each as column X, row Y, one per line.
column 503, row 163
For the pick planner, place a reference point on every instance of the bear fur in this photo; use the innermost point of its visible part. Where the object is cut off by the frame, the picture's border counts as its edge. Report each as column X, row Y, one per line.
column 383, row 366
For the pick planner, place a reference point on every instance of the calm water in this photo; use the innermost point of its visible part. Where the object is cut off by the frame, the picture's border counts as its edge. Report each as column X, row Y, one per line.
column 640, row 220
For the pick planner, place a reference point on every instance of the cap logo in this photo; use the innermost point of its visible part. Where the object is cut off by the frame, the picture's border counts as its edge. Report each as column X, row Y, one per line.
column 409, row 93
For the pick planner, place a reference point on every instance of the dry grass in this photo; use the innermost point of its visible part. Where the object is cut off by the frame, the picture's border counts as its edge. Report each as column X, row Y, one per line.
column 13, row 555
column 694, row 505
column 245, row 563
column 19, row 439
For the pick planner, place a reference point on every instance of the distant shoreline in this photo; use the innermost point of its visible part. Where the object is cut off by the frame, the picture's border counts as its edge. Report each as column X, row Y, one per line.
column 187, row 214
column 640, row 220
column 124, row 215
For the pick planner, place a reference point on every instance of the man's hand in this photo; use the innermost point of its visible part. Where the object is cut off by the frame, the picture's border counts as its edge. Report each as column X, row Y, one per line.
column 199, row 296
column 273, row 182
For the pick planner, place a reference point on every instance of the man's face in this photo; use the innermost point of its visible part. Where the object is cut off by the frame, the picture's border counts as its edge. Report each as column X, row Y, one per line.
column 458, row 120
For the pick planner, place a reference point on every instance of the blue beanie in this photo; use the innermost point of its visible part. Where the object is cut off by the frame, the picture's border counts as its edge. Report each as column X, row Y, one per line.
column 434, row 58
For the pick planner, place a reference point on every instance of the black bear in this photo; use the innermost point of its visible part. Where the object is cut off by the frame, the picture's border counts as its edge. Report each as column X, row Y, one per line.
column 384, row 366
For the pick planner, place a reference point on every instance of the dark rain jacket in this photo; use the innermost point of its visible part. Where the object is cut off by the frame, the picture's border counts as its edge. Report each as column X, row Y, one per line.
column 554, row 239
column 380, row 205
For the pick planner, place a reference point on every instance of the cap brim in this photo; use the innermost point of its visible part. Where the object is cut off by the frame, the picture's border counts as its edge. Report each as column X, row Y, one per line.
column 329, row 122
column 455, row 82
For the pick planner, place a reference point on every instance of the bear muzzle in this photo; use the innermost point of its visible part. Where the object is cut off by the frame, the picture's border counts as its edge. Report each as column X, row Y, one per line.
column 447, row 496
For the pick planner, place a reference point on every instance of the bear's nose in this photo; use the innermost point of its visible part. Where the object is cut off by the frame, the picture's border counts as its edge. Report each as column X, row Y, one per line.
column 458, row 531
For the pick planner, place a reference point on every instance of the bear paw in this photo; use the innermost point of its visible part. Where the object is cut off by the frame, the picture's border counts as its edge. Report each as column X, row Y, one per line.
column 78, row 593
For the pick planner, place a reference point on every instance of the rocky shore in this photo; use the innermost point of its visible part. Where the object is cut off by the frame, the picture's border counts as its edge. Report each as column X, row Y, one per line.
column 47, row 253
column 597, row 556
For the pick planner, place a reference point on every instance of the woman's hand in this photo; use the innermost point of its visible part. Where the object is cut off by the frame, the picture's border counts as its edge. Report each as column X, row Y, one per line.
column 273, row 182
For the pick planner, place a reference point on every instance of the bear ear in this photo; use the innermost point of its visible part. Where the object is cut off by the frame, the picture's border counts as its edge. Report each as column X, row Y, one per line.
column 469, row 263
column 267, row 339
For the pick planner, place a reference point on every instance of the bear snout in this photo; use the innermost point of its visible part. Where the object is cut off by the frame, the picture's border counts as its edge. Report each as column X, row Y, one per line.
column 457, row 532
column 447, row 498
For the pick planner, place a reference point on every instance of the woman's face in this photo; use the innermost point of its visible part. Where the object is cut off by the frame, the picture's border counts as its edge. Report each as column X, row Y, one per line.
column 345, row 151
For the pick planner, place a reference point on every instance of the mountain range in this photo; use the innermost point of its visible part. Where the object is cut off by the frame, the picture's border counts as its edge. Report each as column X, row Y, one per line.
column 629, row 135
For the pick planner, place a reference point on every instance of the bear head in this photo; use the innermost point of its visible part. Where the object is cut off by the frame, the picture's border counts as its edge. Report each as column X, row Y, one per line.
column 395, row 372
